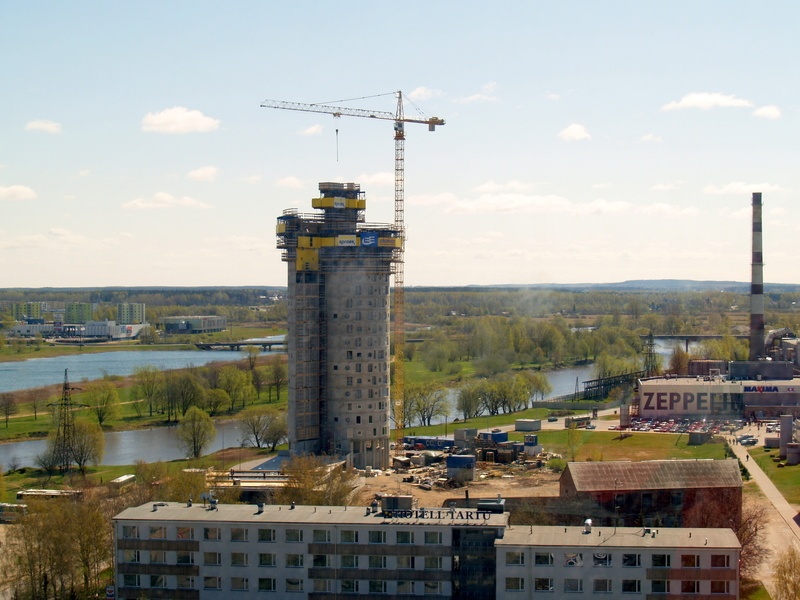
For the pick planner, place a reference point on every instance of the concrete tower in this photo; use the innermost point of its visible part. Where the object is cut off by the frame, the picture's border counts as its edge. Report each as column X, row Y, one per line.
column 338, row 342
column 757, row 332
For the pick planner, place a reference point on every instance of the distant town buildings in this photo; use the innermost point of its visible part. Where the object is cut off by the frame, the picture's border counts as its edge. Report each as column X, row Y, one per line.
column 78, row 312
column 194, row 324
column 130, row 313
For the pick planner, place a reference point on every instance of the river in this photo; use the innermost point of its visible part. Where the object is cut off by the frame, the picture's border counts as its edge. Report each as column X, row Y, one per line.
column 160, row 443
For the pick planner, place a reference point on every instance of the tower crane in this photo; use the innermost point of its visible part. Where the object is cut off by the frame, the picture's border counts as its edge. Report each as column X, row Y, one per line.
column 399, row 223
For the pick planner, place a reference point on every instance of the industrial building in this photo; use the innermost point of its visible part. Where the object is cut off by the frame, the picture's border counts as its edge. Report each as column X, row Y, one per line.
column 338, row 339
column 195, row 324
column 184, row 551
column 762, row 387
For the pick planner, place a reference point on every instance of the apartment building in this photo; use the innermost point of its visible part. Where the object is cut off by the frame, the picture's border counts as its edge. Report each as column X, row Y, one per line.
column 199, row 552
column 618, row 562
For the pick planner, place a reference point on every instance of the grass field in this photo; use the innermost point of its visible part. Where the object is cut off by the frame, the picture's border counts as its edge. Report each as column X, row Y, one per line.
column 786, row 479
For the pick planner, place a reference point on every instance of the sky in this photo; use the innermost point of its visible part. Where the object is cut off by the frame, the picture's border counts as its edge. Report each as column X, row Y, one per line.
column 585, row 142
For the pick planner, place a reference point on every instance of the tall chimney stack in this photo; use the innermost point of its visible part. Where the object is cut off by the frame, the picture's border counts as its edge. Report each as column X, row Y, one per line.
column 757, row 333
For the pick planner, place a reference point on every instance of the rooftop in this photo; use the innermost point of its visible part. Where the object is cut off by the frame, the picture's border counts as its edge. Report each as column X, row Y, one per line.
column 622, row 537
column 653, row 475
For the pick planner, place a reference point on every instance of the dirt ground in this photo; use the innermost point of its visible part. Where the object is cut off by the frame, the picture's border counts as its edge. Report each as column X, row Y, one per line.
column 490, row 480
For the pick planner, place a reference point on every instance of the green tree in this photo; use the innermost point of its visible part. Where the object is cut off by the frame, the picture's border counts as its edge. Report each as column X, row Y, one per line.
column 148, row 382
column 313, row 481
column 102, row 398
column 786, row 574
column 88, row 444
column 237, row 384
column 468, row 402
column 251, row 354
column 195, row 432
column 215, row 399
column 277, row 376
column 255, row 423
column 426, row 401
column 8, row 406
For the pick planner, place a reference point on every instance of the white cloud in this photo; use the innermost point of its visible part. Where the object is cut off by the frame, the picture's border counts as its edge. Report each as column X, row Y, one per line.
column 706, row 100
column 43, row 125
column 204, row 174
column 179, row 119
column 661, row 209
column 512, row 185
column 767, row 112
column 382, row 178
column 313, row 130
column 651, row 137
column 574, row 133
column 164, row 200
column 485, row 95
column 83, row 173
column 552, row 96
column 737, row 188
column 601, row 186
column 424, row 93
column 253, row 179
column 292, row 182
column 17, row 192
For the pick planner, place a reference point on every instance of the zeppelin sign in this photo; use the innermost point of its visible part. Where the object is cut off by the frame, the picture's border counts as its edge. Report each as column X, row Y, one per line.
column 662, row 399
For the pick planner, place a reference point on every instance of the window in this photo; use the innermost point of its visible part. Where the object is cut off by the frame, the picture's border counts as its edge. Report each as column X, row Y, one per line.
column 294, row 561
column 631, row 560
column 211, row 533
column 130, row 532
column 266, row 559
column 405, row 562
column 677, row 498
column 130, row 581
column 573, row 559
column 212, row 558
column 515, row 558
column 158, row 556
column 543, row 559
column 433, row 563
column 266, row 584
column 350, row 586
column 212, row 583
column 184, row 557
column 573, row 585
column 376, row 562
column 322, row 585
column 185, row 533
column 294, row 535
column 690, row 561
column 322, row 536
column 601, row 559
column 266, row 535
column 515, row 584
column 349, row 561
column 661, row 560
column 405, row 537
column 158, row 533
column 239, row 584
column 433, row 588
column 405, row 587
column 130, row 556
column 690, row 587
column 294, row 585
column 543, row 584
column 377, row 537
column 601, row 586
column 238, row 559
column 433, row 537
column 631, row 586
column 321, row 560
column 348, row 536
column 720, row 587
column 185, row 582
column 659, row 586
column 238, row 534
column 720, row 561
column 378, row 587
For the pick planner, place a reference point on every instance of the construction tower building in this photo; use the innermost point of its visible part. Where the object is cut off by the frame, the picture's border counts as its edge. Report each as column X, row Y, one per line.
column 338, row 340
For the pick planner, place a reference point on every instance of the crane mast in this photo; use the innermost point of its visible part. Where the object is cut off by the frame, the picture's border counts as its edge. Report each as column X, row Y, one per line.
column 398, row 328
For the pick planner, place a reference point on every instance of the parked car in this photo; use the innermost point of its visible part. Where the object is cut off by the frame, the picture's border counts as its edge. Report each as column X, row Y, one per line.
column 552, row 419
column 749, row 442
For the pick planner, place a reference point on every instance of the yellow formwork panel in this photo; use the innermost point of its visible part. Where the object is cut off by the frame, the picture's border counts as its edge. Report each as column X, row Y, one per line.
column 353, row 203
column 280, row 227
column 394, row 242
column 307, row 259
column 312, row 241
